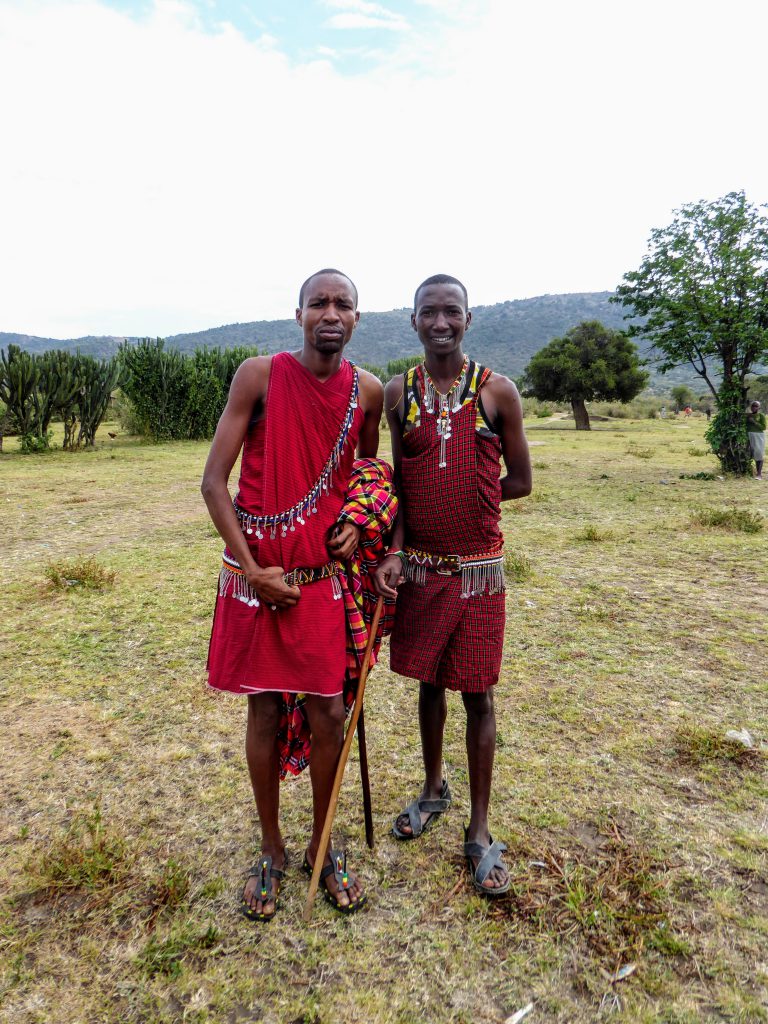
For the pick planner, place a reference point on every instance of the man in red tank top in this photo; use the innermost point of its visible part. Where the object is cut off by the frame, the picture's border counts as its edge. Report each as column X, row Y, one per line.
column 451, row 422
column 298, row 417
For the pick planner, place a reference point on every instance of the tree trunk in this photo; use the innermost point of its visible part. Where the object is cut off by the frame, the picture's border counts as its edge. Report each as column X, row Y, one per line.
column 727, row 433
column 580, row 414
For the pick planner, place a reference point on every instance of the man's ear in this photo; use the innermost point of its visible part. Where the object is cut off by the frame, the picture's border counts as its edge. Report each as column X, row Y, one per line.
column 357, row 319
column 413, row 321
column 298, row 316
column 469, row 320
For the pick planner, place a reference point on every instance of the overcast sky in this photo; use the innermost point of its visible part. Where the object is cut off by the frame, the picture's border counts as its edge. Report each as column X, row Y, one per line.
column 173, row 165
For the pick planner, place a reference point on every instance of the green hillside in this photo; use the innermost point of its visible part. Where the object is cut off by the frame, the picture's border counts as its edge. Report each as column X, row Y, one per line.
column 504, row 335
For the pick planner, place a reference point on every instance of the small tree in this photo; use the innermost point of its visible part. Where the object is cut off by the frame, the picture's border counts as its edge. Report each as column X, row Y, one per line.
column 682, row 396
column 591, row 363
column 703, row 287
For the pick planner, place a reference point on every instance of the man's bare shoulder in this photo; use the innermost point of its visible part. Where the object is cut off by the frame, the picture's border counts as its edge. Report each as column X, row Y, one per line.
column 393, row 389
column 501, row 387
column 252, row 377
column 369, row 382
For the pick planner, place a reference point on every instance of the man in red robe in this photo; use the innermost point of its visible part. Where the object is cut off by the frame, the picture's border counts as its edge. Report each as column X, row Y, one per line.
column 451, row 420
column 279, row 623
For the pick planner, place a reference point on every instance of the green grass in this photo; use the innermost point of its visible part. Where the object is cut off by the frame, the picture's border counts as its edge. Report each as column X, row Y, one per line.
column 635, row 641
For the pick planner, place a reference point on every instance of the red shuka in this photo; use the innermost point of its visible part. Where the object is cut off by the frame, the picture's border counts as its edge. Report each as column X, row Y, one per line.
column 300, row 649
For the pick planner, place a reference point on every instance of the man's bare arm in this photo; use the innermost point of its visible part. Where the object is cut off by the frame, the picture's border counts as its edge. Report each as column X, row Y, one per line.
column 504, row 410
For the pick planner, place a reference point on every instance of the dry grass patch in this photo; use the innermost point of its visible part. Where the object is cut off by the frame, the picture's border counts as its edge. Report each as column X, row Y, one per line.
column 702, row 747
column 79, row 572
column 611, row 897
column 89, row 855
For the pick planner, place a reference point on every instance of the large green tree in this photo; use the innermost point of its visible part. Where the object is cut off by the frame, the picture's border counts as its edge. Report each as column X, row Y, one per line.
column 703, row 289
column 591, row 363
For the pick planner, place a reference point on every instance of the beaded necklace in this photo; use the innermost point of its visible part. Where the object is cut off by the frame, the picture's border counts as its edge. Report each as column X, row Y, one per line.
column 442, row 405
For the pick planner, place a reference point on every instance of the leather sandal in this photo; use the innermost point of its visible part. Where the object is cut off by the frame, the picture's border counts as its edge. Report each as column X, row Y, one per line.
column 344, row 880
column 433, row 808
column 265, row 873
column 490, row 858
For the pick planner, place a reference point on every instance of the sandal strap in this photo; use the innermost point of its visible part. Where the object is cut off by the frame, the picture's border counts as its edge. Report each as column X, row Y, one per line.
column 338, row 866
column 490, row 857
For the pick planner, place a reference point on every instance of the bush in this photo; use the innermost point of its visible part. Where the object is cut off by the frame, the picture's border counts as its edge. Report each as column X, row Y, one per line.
column 83, row 572
column 517, row 565
column 735, row 519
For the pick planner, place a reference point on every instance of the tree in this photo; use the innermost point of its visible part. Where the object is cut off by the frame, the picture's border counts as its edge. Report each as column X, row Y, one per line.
column 703, row 287
column 592, row 362
column 682, row 396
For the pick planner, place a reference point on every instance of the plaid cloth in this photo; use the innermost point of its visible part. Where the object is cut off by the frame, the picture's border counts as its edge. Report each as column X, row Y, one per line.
column 440, row 637
column 445, row 639
column 370, row 504
column 446, row 514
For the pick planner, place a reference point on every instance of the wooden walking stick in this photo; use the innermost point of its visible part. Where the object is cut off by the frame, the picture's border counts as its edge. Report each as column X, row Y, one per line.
column 325, row 836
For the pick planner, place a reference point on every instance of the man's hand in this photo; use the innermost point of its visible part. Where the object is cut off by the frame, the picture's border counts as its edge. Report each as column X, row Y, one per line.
column 344, row 541
column 271, row 588
column 389, row 576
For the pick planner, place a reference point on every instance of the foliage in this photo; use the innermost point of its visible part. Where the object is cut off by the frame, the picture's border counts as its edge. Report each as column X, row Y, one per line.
column 37, row 388
column 175, row 396
column 738, row 519
column 703, row 287
column 757, row 389
column 517, row 565
column 682, row 396
column 590, row 362
column 19, row 374
column 727, row 431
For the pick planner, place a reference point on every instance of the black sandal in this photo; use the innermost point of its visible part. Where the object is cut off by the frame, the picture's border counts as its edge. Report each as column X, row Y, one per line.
column 264, row 872
column 490, row 858
column 434, row 808
column 344, row 879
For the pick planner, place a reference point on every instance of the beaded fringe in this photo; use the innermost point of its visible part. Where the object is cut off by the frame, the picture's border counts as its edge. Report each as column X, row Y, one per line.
column 476, row 577
column 234, row 580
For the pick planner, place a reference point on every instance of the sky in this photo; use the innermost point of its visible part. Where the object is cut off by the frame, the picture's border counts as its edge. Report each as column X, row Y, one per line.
column 173, row 165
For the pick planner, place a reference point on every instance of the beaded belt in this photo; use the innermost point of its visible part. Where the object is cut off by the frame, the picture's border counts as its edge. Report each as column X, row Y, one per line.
column 301, row 577
column 479, row 573
column 232, row 580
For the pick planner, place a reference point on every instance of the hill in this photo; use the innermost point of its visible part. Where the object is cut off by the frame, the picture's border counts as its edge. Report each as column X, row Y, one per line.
column 504, row 335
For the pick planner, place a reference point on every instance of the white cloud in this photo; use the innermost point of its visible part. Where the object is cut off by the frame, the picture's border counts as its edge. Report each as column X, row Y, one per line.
column 366, row 21
column 157, row 178
column 363, row 14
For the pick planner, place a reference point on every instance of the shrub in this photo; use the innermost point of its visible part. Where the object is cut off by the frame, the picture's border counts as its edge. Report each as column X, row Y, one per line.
column 734, row 519
column 84, row 572
column 593, row 535
column 517, row 565
column 88, row 855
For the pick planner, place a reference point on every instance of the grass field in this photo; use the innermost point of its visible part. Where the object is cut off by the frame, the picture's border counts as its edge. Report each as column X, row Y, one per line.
column 637, row 833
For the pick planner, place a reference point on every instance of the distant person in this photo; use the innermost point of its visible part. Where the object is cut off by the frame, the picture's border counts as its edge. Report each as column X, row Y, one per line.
column 451, row 421
column 708, row 411
column 756, row 434
column 687, row 411
column 663, row 412
column 279, row 624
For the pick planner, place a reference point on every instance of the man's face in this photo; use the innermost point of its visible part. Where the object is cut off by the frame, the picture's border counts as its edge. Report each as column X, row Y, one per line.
column 329, row 315
column 441, row 318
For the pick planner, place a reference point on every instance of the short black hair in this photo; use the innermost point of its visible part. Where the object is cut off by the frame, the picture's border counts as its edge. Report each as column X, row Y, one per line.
column 325, row 270
column 440, row 279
